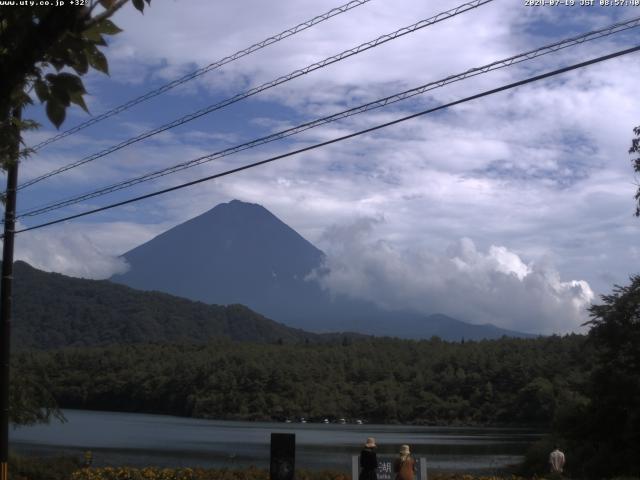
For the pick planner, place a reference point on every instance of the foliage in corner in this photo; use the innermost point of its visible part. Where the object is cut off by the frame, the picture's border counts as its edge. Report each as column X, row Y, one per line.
column 635, row 148
column 615, row 381
column 44, row 51
column 602, row 434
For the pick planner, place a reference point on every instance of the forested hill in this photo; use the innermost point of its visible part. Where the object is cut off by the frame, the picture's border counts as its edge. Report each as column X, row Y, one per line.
column 53, row 310
column 507, row 381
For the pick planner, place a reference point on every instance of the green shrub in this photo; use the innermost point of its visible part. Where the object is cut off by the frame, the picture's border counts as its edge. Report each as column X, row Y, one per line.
column 155, row 473
column 52, row 468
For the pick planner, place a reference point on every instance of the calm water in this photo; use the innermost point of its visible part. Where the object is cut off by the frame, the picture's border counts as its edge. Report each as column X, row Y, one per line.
column 137, row 439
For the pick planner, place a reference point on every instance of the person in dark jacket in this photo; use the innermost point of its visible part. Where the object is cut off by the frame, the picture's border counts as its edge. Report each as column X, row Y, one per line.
column 368, row 460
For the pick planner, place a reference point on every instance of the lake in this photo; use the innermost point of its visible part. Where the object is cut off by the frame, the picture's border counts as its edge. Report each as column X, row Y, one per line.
column 140, row 440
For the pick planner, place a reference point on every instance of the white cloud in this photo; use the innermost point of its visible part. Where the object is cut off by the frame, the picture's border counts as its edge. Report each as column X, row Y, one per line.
column 540, row 172
column 81, row 250
column 496, row 287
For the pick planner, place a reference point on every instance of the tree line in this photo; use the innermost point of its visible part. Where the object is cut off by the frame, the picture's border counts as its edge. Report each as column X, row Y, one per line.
column 507, row 382
column 583, row 389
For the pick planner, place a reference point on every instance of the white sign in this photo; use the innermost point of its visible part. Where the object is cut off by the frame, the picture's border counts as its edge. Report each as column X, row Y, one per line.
column 385, row 468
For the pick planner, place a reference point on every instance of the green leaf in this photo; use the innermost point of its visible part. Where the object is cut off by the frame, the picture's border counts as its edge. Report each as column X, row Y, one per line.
column 57, row 64
column 77, row 98
column 65, row 51
column 69, row 82
column 59, row 94
column 68, row 44
column 96, row 38
column 80, row 63
column 107, row 27
column 56, row 112
column 42, row 90
column 93, row 35
column 64, row 87
column 139, row 4
column 97, row 60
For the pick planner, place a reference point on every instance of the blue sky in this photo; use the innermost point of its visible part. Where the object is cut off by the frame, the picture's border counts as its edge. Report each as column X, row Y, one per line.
column 515, row 209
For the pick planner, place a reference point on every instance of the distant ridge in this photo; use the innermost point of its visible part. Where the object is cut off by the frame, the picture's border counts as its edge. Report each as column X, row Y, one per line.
column 53, row 310
column 240, row 252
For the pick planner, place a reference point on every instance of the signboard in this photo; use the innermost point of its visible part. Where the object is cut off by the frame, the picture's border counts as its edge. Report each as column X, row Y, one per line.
column 385, row 467
column 283, row 456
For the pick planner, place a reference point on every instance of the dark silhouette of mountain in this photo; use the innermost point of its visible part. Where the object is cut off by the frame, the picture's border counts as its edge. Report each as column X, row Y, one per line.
column 234, row 253
column 53, row 310
column 239, row 252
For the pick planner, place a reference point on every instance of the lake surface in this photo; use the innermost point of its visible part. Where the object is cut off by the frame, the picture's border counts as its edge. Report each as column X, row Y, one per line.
column 140, row 440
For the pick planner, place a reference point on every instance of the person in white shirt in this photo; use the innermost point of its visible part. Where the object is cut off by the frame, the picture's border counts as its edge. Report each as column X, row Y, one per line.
column 556, row 460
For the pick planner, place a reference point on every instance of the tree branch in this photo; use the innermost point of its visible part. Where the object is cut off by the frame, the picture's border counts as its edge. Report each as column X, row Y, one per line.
column 106, row 14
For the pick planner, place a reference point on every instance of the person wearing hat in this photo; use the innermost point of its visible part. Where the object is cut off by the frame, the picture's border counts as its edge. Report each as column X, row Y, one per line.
column 368, row 460
column 404, row 465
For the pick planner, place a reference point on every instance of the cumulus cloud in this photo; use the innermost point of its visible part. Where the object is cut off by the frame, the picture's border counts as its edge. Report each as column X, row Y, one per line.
column 496, row 286
column 542, row 171
column 81, row 250
column 73, row 255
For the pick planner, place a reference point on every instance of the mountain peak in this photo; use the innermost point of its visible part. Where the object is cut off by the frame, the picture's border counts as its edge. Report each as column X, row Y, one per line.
column 236, row 218
column 239, row 252
column 236, row 204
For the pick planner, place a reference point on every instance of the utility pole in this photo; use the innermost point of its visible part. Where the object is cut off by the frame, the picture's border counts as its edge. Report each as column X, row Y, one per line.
column 6, row 295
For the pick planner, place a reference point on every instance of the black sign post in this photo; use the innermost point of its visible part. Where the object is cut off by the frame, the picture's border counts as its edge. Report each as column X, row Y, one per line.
column 283, row 456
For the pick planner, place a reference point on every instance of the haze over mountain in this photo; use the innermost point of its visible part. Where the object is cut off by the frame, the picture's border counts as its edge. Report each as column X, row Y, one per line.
column 239, row 252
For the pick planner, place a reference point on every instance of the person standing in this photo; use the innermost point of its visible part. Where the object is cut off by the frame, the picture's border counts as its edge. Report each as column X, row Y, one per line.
column 404, row 465
column 368, row 460
column 556, row 460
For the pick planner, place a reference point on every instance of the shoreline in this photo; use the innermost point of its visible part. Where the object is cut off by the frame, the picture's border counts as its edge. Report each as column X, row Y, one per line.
column 140, row 439
column 537, row 429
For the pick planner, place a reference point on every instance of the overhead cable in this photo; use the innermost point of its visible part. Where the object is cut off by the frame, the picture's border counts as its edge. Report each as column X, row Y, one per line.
column 201, row 71
column 265, row 86
column 554, row 47
column 339, row 139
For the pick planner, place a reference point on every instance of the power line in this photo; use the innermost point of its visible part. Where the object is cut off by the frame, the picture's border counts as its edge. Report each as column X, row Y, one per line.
column 342, row 138
column 265, row 86
column 201, row 71
column 554, row 47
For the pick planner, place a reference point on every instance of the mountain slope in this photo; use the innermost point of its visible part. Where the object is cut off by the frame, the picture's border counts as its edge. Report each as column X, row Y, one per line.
column 53, row 310
column 239, row 252
column 234, row 253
